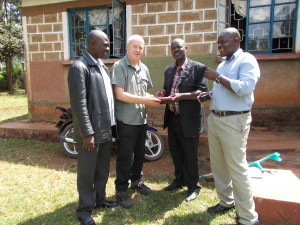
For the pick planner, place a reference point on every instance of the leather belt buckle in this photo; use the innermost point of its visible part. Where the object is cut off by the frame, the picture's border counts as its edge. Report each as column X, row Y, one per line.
column 219, row 113
column 222, row 113
column 229, row 113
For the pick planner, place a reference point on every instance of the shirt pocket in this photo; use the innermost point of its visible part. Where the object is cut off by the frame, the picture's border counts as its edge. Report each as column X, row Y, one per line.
column 144, row 85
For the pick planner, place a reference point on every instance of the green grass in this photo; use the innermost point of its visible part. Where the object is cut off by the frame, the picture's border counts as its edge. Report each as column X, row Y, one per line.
column 38, row 186
column 13, row 107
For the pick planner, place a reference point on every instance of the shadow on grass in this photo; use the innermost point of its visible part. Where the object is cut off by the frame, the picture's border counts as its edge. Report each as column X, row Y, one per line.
column 159, row 207
column 14, row 119
column 62, row 216
column 202, row 218
column 146, row 210
column 44, row 154
column 47, row 154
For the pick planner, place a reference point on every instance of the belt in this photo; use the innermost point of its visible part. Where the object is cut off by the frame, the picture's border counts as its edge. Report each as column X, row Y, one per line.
column 229, row 113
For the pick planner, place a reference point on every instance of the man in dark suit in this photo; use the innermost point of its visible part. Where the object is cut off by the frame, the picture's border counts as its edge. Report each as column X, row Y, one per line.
column 92, row 105
column 183, row 82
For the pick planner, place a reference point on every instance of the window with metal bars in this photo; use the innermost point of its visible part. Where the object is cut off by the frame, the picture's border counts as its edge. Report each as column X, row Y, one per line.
column 271, row 26
column 110, row 19
column 266, row 26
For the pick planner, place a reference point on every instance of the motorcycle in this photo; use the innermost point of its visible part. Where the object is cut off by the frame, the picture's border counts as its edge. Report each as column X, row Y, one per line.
column 154, row 147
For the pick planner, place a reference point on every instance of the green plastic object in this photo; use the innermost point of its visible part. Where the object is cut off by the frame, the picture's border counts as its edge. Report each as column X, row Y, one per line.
column 275, row 156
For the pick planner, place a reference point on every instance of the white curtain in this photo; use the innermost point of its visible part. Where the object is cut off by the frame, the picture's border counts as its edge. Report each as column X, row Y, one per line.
column 240, row 7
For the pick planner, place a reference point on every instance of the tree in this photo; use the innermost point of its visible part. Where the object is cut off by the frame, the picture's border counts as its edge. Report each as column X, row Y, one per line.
column 11, row 44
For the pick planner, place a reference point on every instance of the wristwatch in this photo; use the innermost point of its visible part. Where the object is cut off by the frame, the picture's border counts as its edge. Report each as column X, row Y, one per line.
column 218, row 78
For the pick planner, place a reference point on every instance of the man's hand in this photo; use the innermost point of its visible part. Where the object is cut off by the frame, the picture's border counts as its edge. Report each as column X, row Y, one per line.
column 88, row 143
column 131, row 98
column 198, row 97
column 211, row 74
column 185, row 96
column 176, row 97
column 160, row 93
column 151, row 100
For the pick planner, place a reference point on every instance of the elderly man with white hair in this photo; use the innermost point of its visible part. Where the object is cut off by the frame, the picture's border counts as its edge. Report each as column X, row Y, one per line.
column 131, row 80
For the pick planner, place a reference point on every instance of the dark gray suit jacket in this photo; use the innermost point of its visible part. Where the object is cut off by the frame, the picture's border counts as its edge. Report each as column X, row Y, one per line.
column 190, row 110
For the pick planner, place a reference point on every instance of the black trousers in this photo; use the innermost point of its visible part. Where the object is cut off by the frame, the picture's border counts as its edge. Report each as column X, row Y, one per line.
column 131, row 142
column 92, row 176
column 184, row 152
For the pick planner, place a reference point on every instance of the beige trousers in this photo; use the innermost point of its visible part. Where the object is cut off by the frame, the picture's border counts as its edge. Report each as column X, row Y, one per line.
column 227, row 138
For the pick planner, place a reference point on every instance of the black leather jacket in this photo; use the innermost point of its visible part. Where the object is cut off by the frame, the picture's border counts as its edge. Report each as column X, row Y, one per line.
column 88, row 100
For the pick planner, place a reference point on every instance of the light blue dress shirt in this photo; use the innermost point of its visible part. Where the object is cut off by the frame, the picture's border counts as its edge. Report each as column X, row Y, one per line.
column 243, row 71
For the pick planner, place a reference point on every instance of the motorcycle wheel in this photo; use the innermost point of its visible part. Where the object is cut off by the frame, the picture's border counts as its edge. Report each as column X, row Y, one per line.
column 154, row 146
column 68, row 149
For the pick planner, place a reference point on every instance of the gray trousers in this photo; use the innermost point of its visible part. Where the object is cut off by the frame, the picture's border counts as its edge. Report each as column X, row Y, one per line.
column 92, row 176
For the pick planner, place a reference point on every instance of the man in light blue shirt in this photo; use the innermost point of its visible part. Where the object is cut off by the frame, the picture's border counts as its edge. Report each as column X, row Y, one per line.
column 229, row 125
column 242, row 72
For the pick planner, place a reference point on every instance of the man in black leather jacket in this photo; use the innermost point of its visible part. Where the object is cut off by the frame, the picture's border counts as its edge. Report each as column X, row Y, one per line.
column 92, row 105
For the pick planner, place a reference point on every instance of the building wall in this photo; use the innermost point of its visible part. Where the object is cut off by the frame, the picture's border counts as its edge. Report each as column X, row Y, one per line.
column 44, row 52
column 277, row 95
column 159, row 23
column 47, row 46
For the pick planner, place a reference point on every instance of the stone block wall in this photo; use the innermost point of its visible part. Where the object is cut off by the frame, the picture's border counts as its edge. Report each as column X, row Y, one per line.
column 45, row 37
column 45, row 73
column 159, row 23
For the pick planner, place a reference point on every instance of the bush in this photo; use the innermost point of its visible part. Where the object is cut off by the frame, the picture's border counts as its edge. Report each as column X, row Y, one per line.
column 18, row 78
column 3, row 83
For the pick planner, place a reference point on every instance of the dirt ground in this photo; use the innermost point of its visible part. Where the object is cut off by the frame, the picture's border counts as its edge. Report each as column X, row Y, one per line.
column 260, row 144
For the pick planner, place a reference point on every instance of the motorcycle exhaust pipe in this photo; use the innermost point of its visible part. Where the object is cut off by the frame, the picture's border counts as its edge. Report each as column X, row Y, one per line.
column 67, row 139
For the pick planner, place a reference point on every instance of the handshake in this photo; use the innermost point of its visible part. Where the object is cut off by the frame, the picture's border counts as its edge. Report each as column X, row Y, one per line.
column 202, row 97
column 163, row 99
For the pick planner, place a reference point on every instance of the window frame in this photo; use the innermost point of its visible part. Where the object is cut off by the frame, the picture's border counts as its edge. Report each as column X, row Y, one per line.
column 271, row 22
column 123, row 24
column 87, row 26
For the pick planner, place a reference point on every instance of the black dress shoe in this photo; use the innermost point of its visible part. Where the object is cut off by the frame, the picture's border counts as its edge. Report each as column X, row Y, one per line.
column 107, row 204
column 218, row 209
column 192, row 194
column 87, row 221
column 175, row 185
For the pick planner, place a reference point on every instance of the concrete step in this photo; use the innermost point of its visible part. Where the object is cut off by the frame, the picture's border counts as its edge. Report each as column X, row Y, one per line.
column 277, row 198
column 26, row 130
